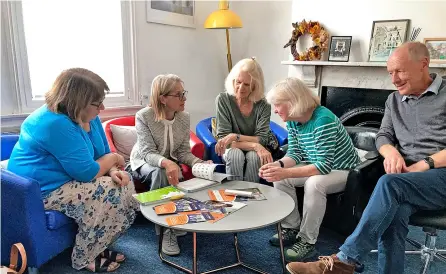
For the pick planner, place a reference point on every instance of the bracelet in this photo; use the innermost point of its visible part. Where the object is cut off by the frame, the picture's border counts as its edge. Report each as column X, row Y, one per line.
column 281, row 163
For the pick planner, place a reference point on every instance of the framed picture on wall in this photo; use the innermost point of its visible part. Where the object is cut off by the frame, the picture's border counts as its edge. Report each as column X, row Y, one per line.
column 176, row 13
column 386, row 36
column 340, row 48
column 437, row 49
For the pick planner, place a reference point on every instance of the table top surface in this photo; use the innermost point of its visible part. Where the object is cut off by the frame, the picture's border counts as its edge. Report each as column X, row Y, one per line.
column 256, row 214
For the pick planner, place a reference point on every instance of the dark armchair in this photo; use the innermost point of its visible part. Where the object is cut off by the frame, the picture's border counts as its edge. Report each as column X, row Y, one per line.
column 344, row 209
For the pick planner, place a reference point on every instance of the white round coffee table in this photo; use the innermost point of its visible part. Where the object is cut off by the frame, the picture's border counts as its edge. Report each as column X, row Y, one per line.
column 257, row 214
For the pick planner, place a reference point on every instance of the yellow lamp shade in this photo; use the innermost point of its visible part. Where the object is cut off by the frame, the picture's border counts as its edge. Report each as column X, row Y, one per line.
column 223, row 19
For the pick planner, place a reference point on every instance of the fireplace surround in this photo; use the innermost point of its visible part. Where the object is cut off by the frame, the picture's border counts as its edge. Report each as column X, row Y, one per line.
column 355, row 91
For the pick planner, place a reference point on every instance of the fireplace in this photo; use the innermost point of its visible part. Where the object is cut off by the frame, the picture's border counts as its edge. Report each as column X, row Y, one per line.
column 355, row 91
column 356, row 106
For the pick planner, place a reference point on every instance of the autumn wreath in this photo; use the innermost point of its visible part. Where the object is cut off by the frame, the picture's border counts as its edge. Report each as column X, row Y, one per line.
column 319, row 36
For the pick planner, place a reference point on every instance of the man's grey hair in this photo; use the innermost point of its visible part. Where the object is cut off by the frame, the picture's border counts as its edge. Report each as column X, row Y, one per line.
column 417, row 50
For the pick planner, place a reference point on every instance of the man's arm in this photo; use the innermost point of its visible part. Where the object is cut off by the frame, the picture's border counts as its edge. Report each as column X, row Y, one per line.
column 386, row 133
column 439, row 159
column 387, row 150
column 439, row 162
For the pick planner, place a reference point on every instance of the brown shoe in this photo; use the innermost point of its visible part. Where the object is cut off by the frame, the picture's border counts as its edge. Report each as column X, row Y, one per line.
column 326, row 264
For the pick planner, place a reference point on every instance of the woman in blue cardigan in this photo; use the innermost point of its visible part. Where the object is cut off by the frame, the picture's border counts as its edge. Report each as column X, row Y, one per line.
column 62, row 146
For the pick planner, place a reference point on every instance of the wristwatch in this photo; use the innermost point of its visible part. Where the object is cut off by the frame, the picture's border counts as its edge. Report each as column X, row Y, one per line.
column 237, row 139
column 430, row 162
column 281, row 163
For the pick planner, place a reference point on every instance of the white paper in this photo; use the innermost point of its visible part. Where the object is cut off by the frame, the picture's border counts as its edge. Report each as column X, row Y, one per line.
column 204, row 177
column 204, row 171
column 195, row 184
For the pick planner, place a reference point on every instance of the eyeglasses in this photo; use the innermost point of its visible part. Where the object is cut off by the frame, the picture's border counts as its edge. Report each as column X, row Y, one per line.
column 182, row 96
column 98, row 105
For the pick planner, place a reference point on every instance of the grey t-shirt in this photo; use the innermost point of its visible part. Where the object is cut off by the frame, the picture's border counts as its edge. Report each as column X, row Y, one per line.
column 416, row 125
column 231, row 120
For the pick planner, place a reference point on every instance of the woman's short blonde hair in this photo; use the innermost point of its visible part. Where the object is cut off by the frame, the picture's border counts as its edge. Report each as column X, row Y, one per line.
column 252, row 67
column 162, row 85
column 74, row 90
column 296, row 94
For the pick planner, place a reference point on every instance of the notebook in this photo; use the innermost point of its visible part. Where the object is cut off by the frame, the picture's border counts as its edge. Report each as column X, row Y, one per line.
column 159, row 195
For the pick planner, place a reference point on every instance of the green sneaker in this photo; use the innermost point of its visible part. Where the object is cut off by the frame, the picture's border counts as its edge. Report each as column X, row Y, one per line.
column 300, row 251
column 288, row 237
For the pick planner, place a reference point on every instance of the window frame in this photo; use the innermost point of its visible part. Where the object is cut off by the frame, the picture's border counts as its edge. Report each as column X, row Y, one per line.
column 16, row 48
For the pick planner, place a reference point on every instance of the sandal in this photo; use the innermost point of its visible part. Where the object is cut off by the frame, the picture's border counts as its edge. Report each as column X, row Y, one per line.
column 98, row 268
column 112, row 255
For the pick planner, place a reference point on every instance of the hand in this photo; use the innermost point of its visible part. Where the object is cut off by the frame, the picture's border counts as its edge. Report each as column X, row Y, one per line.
column 208, row 162
column 223, row 143
column 264, row 155
column 417, row 167
column 274, row 174
column 120, row 161
column 120, row 177
column 172, row 172
column 394, row 163
column 263, row 168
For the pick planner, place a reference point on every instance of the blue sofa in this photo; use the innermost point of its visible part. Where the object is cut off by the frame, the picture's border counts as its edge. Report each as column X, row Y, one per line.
column 204, row 132
column 44, row 233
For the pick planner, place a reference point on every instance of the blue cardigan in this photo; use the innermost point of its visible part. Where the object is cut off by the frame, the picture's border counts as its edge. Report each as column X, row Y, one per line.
column 53, row 150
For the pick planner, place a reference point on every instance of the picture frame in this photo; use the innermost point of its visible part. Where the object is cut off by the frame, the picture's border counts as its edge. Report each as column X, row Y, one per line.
column 386, row 36
column 340, row 48
column 437, row 49
column 179, row 13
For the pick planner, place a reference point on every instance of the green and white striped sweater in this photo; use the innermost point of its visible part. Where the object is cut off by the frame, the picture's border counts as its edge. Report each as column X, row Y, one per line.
column 322, row 141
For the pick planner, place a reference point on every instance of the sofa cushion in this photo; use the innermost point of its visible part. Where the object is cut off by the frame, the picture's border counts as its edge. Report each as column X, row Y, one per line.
column 56, row 219
column 124, row 138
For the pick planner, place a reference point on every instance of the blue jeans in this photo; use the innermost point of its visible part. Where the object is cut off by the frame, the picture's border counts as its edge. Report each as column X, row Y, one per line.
column 385, row 219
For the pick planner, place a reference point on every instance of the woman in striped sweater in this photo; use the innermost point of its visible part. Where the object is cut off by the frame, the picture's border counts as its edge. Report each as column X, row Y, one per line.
column 319, row 156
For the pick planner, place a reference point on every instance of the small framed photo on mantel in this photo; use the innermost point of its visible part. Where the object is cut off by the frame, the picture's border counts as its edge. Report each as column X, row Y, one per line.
column 340, row 48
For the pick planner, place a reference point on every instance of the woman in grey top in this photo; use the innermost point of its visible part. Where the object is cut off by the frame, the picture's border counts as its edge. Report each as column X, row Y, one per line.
column 244, row 137
column 162, row 143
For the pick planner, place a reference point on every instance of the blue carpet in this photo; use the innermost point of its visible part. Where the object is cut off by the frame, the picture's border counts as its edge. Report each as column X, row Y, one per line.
column 140, row 245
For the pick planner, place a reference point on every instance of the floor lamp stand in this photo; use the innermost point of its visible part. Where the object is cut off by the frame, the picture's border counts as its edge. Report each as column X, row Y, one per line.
column 228, row 56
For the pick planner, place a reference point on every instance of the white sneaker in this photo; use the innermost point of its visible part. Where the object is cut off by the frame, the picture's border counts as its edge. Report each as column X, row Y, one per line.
column 170, row 243
column 180, row 233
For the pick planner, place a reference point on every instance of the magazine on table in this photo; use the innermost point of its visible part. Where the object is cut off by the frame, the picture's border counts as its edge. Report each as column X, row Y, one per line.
column 222, row 209
column 185, row 204
column 205, row 176
column 221, row 195
column 257, row 195
column 190, row 210
column 189, row 217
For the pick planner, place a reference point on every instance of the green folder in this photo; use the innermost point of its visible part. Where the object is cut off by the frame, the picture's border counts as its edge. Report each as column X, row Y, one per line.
column 159, row 195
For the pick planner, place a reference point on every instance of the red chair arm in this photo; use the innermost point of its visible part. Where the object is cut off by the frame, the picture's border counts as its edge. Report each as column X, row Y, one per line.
column 196, row 146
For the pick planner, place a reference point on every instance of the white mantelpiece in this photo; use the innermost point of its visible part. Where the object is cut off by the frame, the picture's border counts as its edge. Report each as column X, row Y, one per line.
column 317, row 74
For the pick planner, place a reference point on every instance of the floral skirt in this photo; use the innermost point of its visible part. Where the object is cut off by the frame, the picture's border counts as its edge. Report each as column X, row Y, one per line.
column 102, row 209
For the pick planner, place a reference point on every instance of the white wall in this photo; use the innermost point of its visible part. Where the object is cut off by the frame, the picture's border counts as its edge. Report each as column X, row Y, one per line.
column 196, row 55
column 266, row 28
column 355, row 18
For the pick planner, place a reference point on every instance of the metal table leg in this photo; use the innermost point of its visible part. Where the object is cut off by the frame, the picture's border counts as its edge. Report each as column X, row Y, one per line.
column 282, row 254
column 195, row 258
